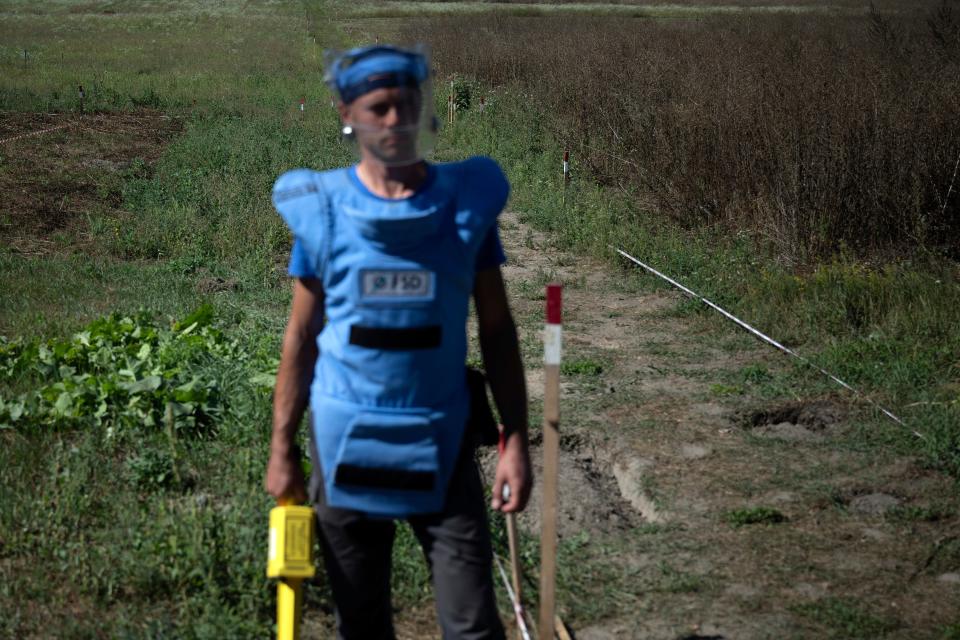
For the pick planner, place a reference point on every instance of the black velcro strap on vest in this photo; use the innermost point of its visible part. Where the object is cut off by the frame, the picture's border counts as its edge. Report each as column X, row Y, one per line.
column 395, row 339
column 376, row 478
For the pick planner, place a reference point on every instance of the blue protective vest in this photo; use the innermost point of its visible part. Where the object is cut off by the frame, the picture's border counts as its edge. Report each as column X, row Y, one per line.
column 389, row 397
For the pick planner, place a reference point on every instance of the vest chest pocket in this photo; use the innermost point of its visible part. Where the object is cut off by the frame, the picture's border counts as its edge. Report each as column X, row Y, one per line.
column 388, row 451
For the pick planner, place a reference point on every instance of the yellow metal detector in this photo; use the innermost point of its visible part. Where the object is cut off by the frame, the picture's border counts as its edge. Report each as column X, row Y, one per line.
column 291, row 560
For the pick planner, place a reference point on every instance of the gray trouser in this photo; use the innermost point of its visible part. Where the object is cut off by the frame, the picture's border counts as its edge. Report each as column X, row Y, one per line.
column 455, row 542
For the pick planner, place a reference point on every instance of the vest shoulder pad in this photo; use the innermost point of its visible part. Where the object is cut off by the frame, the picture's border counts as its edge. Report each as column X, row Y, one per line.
column 301, row 200
column 484, row 185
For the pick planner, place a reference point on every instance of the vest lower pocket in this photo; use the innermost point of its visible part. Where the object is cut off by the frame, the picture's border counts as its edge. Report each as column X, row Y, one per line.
column 388, row 451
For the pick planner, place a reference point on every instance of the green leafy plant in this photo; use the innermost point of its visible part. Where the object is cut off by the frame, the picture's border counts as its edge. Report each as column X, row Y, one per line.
column 121, row 372
column 152, row 469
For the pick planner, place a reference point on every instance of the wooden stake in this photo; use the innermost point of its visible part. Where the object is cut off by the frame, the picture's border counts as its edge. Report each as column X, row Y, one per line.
column 551, row 458
column 514, row 561
column 562, row 632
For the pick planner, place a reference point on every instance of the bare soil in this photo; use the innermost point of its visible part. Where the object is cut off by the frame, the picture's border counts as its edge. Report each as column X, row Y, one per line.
column 57, row 168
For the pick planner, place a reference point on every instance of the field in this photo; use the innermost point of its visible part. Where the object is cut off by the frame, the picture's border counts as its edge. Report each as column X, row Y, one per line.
column 795, row 162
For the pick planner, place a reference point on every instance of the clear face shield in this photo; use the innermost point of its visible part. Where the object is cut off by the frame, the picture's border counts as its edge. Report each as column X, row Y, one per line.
column 386, row 102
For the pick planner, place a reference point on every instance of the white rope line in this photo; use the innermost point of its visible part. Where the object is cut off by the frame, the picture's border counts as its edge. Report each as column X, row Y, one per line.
column 106, row 116
column 517, row 607
column 946, row 198
column 35, row 133
column 766, row 338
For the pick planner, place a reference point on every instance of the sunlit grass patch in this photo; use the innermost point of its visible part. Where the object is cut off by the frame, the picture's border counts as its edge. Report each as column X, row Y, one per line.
column 581, row 367
column 171, row 56
column 754, row 515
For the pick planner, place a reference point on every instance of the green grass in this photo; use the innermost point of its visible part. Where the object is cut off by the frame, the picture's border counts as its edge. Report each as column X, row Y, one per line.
column 845, row 618
column 586, row 367
column 675, row 581
column 150, row 535
column 154, row 533
column 914, row 513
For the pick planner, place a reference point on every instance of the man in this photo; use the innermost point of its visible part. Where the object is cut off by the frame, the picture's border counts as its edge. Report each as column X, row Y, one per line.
column 386, row 256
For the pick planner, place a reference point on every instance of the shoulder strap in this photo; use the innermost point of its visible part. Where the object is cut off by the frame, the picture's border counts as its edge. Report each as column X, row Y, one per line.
column 302, row 201
column 326, row 249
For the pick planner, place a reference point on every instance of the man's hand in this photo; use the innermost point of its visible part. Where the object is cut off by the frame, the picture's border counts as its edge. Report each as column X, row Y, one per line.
column 513, row 469
column 285, row 480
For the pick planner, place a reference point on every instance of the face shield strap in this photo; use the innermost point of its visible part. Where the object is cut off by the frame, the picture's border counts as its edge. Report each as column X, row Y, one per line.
column 381, row 81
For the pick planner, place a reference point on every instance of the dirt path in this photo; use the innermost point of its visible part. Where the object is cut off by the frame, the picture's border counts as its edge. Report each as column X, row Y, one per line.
column 675, row 435
column 668, row 445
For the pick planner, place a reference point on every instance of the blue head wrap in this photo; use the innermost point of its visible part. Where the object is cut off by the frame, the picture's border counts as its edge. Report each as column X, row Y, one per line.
column 363, row 69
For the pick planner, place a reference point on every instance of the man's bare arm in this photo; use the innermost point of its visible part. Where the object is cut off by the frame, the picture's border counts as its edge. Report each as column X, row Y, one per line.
column 501, row 358
column 284, row 479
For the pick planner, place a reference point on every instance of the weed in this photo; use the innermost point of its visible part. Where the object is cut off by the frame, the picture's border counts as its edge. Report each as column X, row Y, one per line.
column 410, row 577
column 931, row 513
column 675, row 581
column 945, row 556
column 755, row 374
column 753, row 515
column 720, row 389
column 119, row 373
column 152, row 469
column 581, row 367
column 845, row 618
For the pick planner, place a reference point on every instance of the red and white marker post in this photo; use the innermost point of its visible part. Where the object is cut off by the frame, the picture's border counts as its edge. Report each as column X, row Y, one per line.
column 552, row 341
column 566, row 167
column 303, row 102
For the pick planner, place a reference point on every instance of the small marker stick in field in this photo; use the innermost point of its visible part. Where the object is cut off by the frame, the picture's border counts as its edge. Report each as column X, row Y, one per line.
column 566, row 167
column 551, row 454
column 303, row 102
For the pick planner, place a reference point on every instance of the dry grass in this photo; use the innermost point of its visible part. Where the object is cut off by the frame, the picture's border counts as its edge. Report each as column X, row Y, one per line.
column 819, row 133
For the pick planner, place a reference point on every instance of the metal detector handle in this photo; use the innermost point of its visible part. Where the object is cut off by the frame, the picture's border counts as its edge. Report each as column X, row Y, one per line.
column 290, row 560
